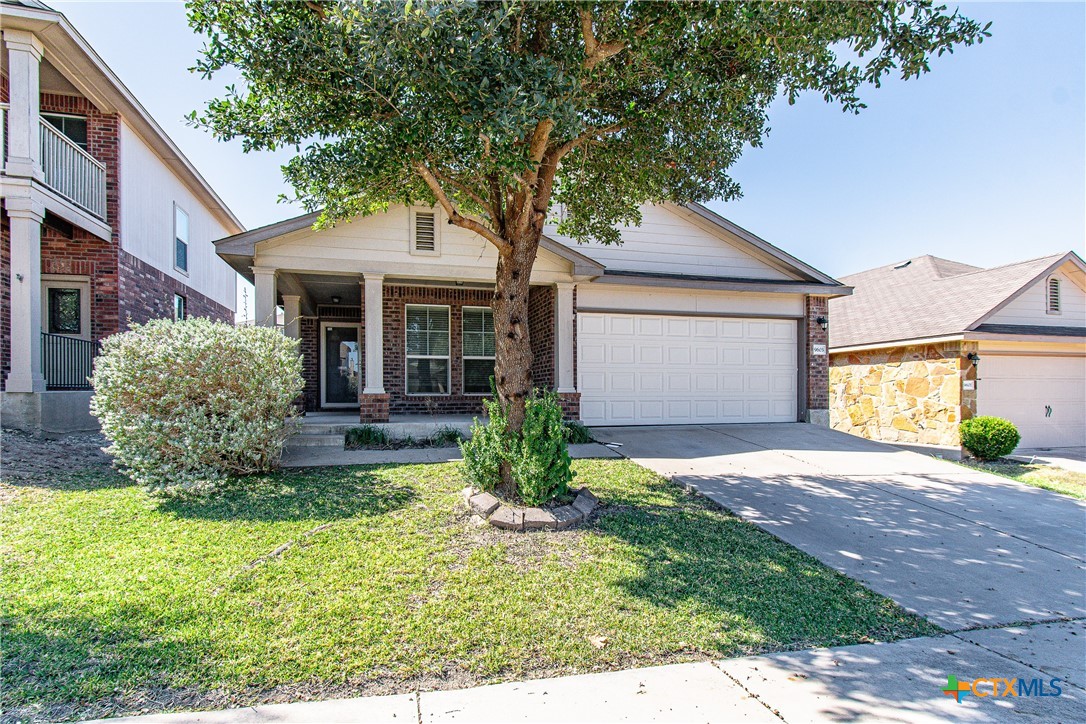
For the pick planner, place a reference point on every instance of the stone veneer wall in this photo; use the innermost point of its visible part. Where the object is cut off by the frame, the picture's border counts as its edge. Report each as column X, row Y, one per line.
column 907, row 394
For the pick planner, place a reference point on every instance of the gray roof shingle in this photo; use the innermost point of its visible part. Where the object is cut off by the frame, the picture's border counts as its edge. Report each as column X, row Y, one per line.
column 924, row 297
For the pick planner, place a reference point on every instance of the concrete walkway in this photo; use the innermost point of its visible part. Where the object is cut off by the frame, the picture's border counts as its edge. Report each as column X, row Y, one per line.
column 1068, row 458
column 310, row 457
column 962, row 548
column 901, row 681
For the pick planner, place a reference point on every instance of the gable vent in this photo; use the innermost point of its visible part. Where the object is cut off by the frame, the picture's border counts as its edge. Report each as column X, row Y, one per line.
column 425, row 231
column 1053, row 296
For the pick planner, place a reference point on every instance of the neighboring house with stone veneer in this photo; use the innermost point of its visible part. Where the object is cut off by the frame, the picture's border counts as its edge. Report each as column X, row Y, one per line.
column 103, row 219
column 926, row 343
column 690, row 320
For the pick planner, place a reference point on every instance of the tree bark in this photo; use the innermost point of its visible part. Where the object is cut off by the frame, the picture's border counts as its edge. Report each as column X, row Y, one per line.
column 512, row 341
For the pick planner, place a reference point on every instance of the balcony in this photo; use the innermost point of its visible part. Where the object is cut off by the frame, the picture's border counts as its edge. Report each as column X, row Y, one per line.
column 72, row 172
column 66, row 168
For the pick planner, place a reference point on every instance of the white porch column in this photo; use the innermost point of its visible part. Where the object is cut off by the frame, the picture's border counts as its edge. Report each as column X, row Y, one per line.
column 292, row 316
column 373, row 294
column 24, row 63
column 264, row 297
column 26, row 215
column 563, row 313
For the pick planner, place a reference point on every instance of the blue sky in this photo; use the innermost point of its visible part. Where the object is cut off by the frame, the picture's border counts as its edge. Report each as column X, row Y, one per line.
column 983, row 160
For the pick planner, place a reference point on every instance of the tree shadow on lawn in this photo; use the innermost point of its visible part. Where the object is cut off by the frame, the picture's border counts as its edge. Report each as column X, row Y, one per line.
column 771, row 595
column 315, row 494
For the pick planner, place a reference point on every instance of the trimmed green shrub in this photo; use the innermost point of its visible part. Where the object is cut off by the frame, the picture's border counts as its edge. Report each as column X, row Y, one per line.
column 366, row 436
column 989, row 438
column 577, row 433
column 189, row 404
column 538, row 458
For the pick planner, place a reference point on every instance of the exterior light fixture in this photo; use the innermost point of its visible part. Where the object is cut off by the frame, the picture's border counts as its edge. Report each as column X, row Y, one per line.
column 974, row 358
column 823, row 322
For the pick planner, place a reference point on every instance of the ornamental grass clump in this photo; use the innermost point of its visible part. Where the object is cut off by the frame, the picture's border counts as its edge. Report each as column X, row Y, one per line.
column 187, row 405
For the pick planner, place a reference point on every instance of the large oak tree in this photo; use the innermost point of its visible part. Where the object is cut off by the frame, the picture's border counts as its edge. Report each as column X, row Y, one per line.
column 497, row 111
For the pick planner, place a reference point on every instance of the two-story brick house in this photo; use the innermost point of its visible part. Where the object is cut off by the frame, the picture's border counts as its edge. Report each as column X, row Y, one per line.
column 104, row 221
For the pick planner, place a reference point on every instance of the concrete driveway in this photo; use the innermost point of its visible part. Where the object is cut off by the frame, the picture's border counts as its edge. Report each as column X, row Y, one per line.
column 963, row 549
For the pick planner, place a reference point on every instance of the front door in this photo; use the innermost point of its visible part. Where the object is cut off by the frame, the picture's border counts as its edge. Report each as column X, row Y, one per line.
column 341, row 364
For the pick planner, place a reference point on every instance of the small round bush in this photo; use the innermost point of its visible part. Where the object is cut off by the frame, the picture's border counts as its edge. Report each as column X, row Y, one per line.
column 538, row 458
column 189, row 404
column 989, row 438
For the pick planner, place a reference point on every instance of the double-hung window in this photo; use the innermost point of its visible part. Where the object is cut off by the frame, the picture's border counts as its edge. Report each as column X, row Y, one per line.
column 427, row 341
column 478, row 350
column 180, row 239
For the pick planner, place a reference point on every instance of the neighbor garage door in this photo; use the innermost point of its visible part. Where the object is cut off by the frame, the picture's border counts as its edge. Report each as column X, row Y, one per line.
column 1044, row 397
column 648, row 369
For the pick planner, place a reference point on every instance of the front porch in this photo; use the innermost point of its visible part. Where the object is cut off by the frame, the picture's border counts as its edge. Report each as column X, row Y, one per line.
column 412, row 354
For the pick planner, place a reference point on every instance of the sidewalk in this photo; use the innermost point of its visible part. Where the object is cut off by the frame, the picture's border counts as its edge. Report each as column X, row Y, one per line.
column 308, row 457
column 901, row 681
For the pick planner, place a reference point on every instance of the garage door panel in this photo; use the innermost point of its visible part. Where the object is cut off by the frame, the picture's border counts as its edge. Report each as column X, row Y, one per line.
column 658, row 369
column 1045, row 397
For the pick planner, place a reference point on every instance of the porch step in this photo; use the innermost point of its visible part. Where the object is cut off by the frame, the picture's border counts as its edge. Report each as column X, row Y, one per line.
column 307, row 439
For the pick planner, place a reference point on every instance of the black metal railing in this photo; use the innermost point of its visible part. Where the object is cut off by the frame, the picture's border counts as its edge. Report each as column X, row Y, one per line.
column 67, row 362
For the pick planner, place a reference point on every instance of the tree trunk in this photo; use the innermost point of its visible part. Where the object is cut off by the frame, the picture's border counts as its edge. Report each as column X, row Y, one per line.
column 512, row 344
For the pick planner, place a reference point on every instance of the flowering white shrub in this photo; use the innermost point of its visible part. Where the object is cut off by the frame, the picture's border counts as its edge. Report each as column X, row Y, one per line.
column 189, row 404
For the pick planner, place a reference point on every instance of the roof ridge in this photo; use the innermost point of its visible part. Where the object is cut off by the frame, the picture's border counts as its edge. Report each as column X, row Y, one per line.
column 1014, row 263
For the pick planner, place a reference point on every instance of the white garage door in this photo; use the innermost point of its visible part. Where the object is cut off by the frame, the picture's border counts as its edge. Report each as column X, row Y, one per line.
column 646, row 369
column 1045, row 397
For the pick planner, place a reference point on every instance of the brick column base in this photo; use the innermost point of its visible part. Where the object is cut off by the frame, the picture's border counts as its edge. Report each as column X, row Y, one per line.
column 373, row 408
column 571, row 405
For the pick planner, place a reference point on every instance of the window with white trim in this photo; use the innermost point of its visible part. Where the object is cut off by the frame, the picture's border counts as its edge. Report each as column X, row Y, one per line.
column 478, row 349
column 427, row 349
column 180, row 239
column 74, row 128
column 1052, row 298
column 180, row 308
column 424, row 232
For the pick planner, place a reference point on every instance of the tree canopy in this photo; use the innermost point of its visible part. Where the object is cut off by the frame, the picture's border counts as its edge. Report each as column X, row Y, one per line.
column 498, row 109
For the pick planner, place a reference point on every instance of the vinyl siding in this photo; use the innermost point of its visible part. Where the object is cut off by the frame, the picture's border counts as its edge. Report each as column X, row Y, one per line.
column 381, row 243
column 1031, row 306
column 149, row 190
column 673, row 241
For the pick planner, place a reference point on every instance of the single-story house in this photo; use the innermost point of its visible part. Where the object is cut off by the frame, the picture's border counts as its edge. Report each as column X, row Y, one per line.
column 690, row 320
column 926, row 343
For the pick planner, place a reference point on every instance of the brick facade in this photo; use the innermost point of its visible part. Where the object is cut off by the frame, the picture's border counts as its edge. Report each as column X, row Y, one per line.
column 541, row 325
column 817, row 365
column 309, row 332
column 147, row 293
column 122, row 287
column 396, row 400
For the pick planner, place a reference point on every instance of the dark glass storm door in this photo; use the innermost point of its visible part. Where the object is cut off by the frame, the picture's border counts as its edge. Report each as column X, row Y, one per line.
column 341, row 364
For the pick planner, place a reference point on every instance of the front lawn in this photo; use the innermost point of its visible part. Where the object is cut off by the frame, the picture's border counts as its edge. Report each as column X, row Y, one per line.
column 365, row 580
column 1049, row 477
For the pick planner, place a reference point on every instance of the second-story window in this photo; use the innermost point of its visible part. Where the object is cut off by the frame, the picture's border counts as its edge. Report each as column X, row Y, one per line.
column 74, row 128
column 180, row 239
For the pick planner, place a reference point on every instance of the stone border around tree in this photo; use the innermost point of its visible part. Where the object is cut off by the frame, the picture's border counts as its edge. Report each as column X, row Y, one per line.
column 508, row 517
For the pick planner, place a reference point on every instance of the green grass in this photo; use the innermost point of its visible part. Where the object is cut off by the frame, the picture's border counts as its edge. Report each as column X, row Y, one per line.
column 388, row 585
column 1048, row 477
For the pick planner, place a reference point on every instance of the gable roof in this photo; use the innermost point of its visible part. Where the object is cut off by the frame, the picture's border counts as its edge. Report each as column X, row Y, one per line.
column 238, row 250
column 81, row 65
column 929, row 297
